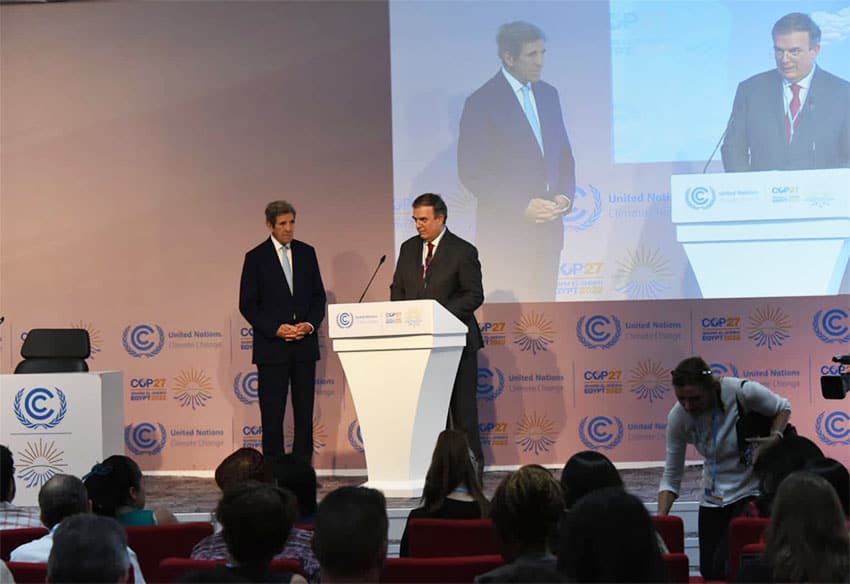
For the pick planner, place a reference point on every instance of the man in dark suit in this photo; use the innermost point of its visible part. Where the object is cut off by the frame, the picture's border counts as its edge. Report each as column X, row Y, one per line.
column 515, row 157
column 281, row 294
column 439, row 265
column 794, row 117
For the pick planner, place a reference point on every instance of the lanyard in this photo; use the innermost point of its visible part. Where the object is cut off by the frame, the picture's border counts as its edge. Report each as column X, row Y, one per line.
column 715, row 422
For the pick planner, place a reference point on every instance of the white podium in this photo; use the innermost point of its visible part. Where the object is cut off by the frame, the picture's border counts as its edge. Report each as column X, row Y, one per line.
column 772, row 233
column 59, row 423
column 400, row 360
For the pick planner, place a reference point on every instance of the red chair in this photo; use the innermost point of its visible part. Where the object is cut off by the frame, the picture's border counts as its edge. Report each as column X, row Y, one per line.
column 12, row 538
column 671, row 528
column 28, row 572
column 153, row 543
column 443, row 538
column 742, row 531
column 452, row 569
column 678, row 568
column 172, row 569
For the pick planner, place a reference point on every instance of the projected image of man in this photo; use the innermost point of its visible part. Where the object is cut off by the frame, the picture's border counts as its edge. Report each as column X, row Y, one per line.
column 796, row 116
column 515, row 157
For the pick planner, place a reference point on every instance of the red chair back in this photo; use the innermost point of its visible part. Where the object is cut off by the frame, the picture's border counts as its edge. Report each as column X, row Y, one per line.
column 452, row 569
column 742, row 531
column 153, row 543
column 172, row 569
column 442, row 538
column 671, row 528
column 28, row 572
column 12, row 538
column 678, row 568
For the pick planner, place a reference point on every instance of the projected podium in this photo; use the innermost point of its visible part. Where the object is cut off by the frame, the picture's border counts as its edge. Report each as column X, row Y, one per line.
column 773, row 233
column 400, row 360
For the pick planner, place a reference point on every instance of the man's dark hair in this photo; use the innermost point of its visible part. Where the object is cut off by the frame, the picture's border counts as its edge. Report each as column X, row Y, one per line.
column 296, row 475
column 526, row 508
column 245, row 464
column 513, row 35
column 109, row 483
column 7, row 474
column 60, row 497
column 798, row 22
column 432, row 200
column 350, row 539
column 88, row 548
column 586, row 472
column 276, row 208
column 694, row 371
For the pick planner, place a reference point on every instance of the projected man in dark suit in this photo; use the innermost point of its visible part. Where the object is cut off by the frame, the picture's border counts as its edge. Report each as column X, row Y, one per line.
column 515, row 157
column 439, row 265
column 281, row 294
column 796, row 116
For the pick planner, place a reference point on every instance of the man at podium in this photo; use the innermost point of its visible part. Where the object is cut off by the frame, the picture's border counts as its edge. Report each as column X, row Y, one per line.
column 439, row 265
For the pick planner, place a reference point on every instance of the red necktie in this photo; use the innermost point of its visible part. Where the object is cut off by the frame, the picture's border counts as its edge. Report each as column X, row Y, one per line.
column 428, row 259
column 793, row 110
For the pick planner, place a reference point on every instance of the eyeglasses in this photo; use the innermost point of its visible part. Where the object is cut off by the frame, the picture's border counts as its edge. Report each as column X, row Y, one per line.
column 794, row 53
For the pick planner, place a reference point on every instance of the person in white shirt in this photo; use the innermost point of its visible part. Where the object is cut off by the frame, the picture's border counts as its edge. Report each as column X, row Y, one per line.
column 89, row 548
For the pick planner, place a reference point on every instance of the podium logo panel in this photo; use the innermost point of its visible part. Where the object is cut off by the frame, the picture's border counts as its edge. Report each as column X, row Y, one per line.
column 344, row 320
column 40, row 408
column 831, row 326
column 700, row 198
column 38, row 462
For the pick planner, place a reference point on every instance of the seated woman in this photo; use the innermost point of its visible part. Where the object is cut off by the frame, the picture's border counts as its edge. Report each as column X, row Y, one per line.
column 116, row 490
column 452, row 489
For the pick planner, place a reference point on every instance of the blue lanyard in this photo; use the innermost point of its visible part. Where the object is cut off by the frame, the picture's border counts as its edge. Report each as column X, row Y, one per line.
column 715, row 422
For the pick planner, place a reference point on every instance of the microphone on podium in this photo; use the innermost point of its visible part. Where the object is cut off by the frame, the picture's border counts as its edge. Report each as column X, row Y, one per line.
column 375, row 273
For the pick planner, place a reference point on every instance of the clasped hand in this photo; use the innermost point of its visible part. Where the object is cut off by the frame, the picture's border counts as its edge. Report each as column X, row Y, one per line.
column 294, row 332
column 545, row 210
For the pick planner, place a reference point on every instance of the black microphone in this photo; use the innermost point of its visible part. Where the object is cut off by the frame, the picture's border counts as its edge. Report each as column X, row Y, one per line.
column 375, row 273
column 713, row 152
column 842, row 359
column 2, row 319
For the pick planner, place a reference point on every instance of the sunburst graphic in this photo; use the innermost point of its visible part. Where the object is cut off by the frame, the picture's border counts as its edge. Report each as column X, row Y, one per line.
column 648, row 380
column 644, row 273
column 533, row 332
column 193, row 388
column 95, row 338
column 38, row 462
column 535, row 433
column 768, row 327
column 320, row 435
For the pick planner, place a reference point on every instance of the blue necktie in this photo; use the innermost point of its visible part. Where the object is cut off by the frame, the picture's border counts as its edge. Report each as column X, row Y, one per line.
column 528, row 107
column 287, row 268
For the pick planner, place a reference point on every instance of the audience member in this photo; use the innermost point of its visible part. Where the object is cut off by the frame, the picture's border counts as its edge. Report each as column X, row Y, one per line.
column 61, row 497
column 525, row 509
column 88, row 548
column 248, row 464
column 836, row 475
column 609, row 537
column 775, row 463
column 806, row 540
column 116, row 490
column 351, row 535
column 12, row 516
column 452, row 489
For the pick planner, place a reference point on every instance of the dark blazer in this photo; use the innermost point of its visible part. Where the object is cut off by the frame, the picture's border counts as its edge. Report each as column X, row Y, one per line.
column 266, row 302
column 755, row 136
column 453, row 280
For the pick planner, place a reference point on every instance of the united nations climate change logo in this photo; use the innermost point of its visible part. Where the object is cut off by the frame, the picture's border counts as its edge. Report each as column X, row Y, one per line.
column 143, row 340
column 38, row 462
column 145, row 438
column 192, row 388
column 649, row 380
column 246, row 387
column 491, row 383
column 700, row 198
column 95, row 338
column 587, row 209
column 768, row 327
column 320, row 435
column 833, row 428
column 598, row 331
column 601, row 432
column 533, row 332
column 643, row 274
column 344, row 319
column 355, row 438
column 535, row 433
column 830, row 326
column 727, row 369
column 40, row 408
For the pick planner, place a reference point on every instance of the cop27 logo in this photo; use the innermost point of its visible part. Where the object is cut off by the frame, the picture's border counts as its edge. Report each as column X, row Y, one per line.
column 587, row 208
column 833, row 428
column 700, row 198
column 604, row 432
column 598, row 331
column 143, row 340
column 344, row 319
column 40, row 408
column 145, row 438
column 246, row 387
column 355, row 438
column 491, row 383
column 831, row 326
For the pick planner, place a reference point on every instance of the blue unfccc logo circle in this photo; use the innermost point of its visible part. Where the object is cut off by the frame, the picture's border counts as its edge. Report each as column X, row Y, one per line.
column 831, row 326
column 40, row 408
column 145, row 438
column 355, row 438
column 246, row 387
column 491, row 383
column 601, row 432
column 700, row 198
column 344, row 319
column 598, row 331
column 143, row 340
column 833, row 428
